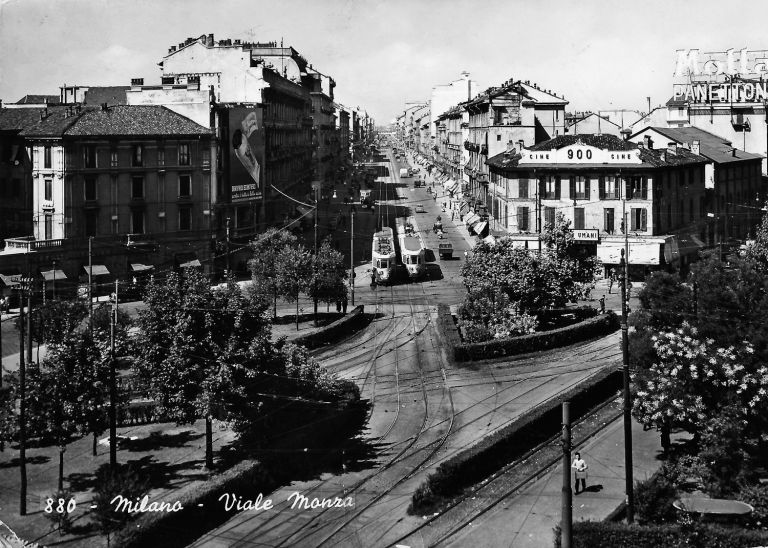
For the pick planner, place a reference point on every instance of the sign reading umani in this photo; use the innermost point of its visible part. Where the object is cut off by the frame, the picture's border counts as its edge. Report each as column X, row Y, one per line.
column 730, row 76
column 586, row 235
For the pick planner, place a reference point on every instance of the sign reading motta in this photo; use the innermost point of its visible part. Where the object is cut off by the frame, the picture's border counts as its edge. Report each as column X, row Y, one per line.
column 722, row 76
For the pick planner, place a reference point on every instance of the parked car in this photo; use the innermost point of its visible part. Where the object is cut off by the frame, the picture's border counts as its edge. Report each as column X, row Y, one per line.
column 420, row 209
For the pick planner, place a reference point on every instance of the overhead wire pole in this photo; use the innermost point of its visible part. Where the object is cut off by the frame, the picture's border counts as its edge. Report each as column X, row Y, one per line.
column 314, row 262
column 624, row 266
column 113, row 385
column 90, row 284
column 352, row 254
column 22, row 407
column 566, row 519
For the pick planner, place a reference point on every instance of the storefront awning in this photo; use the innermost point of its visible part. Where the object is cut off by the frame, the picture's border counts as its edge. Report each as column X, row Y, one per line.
column 471, row 219
column 479, row 227
column 189, row 264
column 682, row 245
column 490, row 239
column 10, row 280
column 138, row 267
column 647, row 252
column 98, row 270
column 50, row 275
column 464, row 208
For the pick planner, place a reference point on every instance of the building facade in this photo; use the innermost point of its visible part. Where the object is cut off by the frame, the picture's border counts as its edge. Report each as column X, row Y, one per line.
column 608, row 189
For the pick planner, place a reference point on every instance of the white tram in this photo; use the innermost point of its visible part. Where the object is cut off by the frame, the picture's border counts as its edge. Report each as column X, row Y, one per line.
column 412, row 250
column 383, row 254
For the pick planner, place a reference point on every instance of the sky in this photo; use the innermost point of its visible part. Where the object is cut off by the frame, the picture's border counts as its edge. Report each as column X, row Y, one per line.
column 602, row 55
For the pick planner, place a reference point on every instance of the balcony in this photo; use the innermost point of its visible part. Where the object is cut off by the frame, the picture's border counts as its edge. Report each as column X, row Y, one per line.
column 28, row 244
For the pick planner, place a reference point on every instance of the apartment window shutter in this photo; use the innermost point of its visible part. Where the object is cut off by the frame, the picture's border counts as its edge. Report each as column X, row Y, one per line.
column 557, row 187
column 643, row 219
column 601, row 187
column 572, row 189
column 644, row 186
column 587, row 180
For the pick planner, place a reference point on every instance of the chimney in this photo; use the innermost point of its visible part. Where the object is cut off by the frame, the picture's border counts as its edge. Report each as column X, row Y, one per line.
column 695, row 147
column 210, row 40
column 648, row 142
column 104, row 107
column 171, row 49
column 664, row 156
column 237, row 42
column 733, row 152
column 672, row 147
column 137, row 82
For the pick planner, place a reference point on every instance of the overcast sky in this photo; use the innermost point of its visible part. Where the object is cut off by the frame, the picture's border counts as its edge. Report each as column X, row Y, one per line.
column 382, row 53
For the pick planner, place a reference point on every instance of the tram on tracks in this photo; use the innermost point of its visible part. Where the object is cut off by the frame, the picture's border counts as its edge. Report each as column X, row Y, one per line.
column 412, row 250
column 383, row 255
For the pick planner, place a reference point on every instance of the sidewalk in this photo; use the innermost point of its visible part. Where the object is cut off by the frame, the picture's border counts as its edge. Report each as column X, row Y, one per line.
column 527, row 520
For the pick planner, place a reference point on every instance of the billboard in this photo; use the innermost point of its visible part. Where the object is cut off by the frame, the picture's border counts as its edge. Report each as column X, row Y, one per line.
column 246, row 153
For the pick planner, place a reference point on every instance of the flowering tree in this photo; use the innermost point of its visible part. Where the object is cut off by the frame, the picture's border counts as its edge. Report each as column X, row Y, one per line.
column 693, row 378
column 493, row 315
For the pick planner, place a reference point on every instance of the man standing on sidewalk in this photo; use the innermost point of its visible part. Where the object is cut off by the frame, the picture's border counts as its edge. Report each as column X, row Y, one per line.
column 580, row 468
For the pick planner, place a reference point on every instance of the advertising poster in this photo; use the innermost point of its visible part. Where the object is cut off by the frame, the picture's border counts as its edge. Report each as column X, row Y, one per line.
column 246, row 153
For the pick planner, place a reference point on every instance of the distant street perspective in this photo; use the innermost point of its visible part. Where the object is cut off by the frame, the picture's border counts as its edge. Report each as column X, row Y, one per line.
column 237, row 311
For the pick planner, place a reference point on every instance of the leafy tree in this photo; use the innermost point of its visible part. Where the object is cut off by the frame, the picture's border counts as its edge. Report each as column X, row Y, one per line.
column 294, row 274
column 329, row 272
column 665, row 302
column 693, row 377
column 125, row 482
column 484, row 316
column 723, row 452
column 558, row 236
column 194, row 344
column 758, row 251
column 9, row 420
column 267, row 247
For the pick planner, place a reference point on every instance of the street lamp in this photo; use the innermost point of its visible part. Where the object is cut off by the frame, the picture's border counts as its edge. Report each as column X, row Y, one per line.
column 25, row 284
column 352, row 253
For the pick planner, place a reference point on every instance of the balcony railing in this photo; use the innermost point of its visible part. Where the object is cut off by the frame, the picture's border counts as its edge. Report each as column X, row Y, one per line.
column 28, row 244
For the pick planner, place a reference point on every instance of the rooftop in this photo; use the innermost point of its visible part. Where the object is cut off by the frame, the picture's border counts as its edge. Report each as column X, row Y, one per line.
column 711, row 146
column 50, row 122
column 39, row 100
column 16, row 119
column 135, row 120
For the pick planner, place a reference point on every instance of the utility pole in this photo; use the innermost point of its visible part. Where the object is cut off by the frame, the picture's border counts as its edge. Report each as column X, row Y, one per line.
column 624, row 266
column 22, row 406
column 226, row 274
column 352, row 253
column 53, row 296
column 567, row 507
column 314, row 263
column 113, row 385
column 29, row 322
column 90, row 284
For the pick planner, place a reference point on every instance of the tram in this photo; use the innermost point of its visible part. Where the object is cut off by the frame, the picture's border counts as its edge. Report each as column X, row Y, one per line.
column 412, row 250
column 383, row 255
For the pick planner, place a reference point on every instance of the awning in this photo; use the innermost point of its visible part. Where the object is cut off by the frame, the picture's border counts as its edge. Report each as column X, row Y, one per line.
column 98, row 270
column 138, row 267
column 471, row 219
column 490, row 239
column 682, row 245
column 188, row 264
column 451, row 186
column 50, row 275
column 479, row 227
column 10, row 280
column 464, row 208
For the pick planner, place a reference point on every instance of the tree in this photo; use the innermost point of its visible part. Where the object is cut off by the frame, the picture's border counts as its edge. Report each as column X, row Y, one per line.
column 758, row 251
column 665, row 302
column 558, row 236
column 267, row 247
column 330, row 275
column 693, row 377
column 485, row 316
column 293, row 269
column 125, row 482
column 193, row 346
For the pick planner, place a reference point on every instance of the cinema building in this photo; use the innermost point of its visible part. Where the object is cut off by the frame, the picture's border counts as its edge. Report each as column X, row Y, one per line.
column 609, row 189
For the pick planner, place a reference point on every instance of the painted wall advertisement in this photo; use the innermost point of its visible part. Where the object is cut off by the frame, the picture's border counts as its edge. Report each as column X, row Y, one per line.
column 246, row 154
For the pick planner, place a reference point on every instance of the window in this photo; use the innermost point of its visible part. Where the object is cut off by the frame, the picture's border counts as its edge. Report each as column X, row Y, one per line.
column 47, row 157
column 185, row 218
column 579, row 188
column 160, row 157
column 91, row 222
column 610, row 188
column 90, row 188
column 522, row 186
column 551, row 189
column 137, row 187
column 89, row 156
column 113, row 158
column 609, row 218
column 48, row 227
column 578, row 218
column 206, row 156
column 183, row 154
column 137, row 221
column 639, row 220
column 185, row 185
column 549, row 216
column 690, row 211
column 522, row 219
column 137, row 158
column 638, row 188
column 48, row 189
column 498, row 137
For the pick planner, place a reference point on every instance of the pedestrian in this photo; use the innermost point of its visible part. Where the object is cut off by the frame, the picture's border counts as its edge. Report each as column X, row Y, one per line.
column 452, row 214
column 602, row 304
column 344, row 304
column 580, row 467
column 611, row 279
column 338, row 307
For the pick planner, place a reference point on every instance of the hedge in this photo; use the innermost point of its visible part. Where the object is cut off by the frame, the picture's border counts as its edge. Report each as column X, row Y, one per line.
column 601, row 534
column 490, row 454
column 332, row 332
column 170, row 529
column 447, row 327
column 593, row 327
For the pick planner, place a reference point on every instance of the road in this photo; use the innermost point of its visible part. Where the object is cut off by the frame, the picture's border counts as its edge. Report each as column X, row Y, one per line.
column 423, row 410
